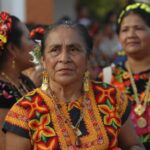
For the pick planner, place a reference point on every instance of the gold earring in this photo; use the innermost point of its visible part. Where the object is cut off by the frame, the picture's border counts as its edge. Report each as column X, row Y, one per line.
column 45, row 82
column 13, row 64
column 86, row 81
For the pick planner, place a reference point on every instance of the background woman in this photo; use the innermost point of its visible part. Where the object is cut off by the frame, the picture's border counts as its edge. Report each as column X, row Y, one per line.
column 15, row 45
column 35, row 73
column 133, row 75
column 69, row 112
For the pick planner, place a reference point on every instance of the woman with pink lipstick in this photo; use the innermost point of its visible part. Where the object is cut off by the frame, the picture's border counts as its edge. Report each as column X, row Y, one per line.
column 70, row 112
column 133, row 75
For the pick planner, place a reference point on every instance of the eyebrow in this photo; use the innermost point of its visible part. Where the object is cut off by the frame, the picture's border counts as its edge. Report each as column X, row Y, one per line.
column 74, row 44
column 68, row 45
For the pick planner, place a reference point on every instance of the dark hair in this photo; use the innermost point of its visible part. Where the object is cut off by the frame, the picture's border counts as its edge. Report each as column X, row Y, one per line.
column 135, row 8
column 80, row 28
column 14, row 37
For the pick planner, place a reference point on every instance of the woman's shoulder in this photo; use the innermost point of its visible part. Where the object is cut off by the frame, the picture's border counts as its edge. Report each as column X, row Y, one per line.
column 106, row 93
column 31, row 103
column 30, row 95
column 27, row 81
column 33, row 99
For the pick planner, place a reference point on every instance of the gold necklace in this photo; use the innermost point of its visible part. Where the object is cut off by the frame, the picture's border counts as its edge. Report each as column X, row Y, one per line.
column 139, row 108
column 75, row 127
column 22, row 89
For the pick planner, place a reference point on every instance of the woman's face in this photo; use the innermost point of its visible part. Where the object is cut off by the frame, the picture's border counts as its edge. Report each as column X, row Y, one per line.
column 65, row 56
column 27, row 45
column 134, row 35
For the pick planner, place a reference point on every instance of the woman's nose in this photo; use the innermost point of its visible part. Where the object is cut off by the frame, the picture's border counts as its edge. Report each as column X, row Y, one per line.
column 131, row 33
column 64, row 57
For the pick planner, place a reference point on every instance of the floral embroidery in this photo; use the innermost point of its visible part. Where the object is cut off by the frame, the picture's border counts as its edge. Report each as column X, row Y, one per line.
column 43, row 122
column 41, row 128
column 110, row 115
column 104, row 93
column 51, row 144
column 34, row 105
column 121, row 80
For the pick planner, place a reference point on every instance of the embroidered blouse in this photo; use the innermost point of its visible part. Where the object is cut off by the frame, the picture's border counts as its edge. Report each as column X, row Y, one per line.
column 35, row 117
column 121, row 80
column 9, row 94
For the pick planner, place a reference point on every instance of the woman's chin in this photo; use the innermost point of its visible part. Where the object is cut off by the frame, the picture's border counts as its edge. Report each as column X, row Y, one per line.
column 65, row 81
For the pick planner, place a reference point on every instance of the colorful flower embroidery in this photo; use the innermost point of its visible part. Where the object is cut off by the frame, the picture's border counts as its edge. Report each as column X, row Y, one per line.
column 104, row 93
column 110, row 115
column 34, row 105
column 74, row 104
column 121, row 80
column 41, row 128
column 51, row 144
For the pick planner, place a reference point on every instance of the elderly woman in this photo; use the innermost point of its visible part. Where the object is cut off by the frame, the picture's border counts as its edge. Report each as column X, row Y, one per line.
column 133, row 75
column 15, row 45
column 69, row 112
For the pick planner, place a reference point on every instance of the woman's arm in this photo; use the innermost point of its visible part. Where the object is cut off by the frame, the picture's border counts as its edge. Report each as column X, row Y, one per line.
column 3, row 113
column 15, row 142
column 128, row 139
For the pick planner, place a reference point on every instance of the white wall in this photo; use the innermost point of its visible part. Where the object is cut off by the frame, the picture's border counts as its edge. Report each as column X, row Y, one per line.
column 14, row 7
column 64, row 8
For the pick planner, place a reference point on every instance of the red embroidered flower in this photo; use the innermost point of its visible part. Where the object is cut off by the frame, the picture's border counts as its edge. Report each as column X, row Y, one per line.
column 34, row 105
column 51, row 144
column 105, row 93
column 41, row 128
column 111, row 116
column 114, row 134
column 119, row 85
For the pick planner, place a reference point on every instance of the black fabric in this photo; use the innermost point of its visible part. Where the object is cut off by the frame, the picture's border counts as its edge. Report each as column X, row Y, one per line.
column 19, row 131
column 9, row 94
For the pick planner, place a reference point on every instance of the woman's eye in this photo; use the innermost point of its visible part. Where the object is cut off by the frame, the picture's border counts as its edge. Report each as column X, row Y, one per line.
column 54, row 51
column 73, row 49
column 124, row 30
column 139, row 28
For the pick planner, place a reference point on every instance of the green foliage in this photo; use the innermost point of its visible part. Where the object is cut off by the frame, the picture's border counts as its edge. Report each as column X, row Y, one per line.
column 99, row 8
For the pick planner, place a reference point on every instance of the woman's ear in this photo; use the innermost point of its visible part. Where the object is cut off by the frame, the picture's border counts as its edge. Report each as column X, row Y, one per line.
column 42, row 62
column 11, row 49
column 89, row 59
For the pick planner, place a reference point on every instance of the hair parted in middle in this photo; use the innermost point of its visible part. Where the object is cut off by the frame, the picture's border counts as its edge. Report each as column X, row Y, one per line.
column 74, row 25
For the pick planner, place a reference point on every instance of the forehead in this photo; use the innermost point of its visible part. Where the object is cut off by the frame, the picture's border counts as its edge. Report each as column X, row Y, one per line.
column 64, row 34
column 133, row 19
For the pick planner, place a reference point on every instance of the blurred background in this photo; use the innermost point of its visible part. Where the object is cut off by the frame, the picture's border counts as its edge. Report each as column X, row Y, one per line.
column 98, row 16
column 47, row 11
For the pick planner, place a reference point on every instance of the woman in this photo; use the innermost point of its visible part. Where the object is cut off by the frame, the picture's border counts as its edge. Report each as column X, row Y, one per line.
column 15, row 45
column 133, row 75
column 35, row 73
column 69, row 112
